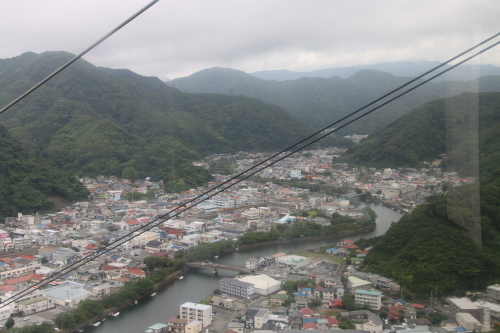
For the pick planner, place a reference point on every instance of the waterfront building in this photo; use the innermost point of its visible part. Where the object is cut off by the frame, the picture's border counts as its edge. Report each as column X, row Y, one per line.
column 177, row 325
column 196, row 311
column 67, row 293
column 263, row 284
column 368, row 297
column 251, row 263
column 158, row 327
column 293, row 261
column 237, row 288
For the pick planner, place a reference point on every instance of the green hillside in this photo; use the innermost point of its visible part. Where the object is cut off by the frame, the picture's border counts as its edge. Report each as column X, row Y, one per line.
column 453, row 241
column 321, row 101
column 425, row 250
column 94, row 121
column 444, row 126
column 28, row 184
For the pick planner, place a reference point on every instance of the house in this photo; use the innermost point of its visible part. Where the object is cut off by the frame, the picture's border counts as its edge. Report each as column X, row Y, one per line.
column 365, row 321
column 177, row 325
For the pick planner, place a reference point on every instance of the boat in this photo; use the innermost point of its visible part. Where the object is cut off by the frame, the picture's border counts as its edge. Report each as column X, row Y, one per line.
column 216, row 257
column 135, row 302
column 115, row 314
column 153, row 294
column 96, row 324
column 181, row 277
column 103, row 319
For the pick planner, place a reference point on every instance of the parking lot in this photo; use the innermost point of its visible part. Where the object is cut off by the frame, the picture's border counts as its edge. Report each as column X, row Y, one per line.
column 39, row 317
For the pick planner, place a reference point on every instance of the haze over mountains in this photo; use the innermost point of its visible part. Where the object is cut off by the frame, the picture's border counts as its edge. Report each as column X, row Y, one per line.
column 464, row 72
column 321, row 101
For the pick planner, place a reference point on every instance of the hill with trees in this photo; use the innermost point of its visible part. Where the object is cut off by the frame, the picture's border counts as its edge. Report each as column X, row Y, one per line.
column 452, row 242
column 91, row 121
column 321, row 101
column 28, row 184
column 464, row 127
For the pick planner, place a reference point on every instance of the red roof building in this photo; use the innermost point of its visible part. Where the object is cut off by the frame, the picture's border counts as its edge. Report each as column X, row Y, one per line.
column 306, row 312
column 137, row 272
column 310, row 326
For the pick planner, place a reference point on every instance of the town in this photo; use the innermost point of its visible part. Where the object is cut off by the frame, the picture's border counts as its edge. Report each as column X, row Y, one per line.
column 268, row 297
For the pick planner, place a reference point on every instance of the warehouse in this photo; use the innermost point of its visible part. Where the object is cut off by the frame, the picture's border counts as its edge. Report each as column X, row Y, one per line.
column 263, row 284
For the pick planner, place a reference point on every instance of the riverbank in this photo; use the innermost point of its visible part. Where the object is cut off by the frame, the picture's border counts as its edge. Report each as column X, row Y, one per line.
column 304, row 239
column 389, row 205
column 200, row 282
column 127, row 303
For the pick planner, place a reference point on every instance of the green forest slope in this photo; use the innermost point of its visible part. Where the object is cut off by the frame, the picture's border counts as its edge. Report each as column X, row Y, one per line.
column 444, row 126
column 28, row 184
column 425, row 250
column 320, row 101
column 92, row 121
column 452, row 242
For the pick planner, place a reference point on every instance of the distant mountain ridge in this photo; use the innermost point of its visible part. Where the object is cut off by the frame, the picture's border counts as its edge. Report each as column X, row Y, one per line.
column 320, row 101
column 403, row 68
column 92, row 121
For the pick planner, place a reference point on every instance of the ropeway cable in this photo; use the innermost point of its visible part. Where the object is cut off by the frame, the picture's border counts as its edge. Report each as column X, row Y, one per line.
column 78, row 56
column 243, row 175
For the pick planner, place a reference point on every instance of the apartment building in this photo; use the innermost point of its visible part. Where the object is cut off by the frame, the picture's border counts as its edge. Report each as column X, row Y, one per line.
column 493, row 293
column 236, row 288
column 196, row 311
column 368, row 297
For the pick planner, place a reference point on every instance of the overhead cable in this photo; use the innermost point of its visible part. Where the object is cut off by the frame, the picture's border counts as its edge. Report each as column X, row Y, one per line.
column 255, row 169
column 78, row 56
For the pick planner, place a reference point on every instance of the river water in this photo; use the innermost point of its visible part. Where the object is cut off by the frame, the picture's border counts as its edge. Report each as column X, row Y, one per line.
column 199, row 283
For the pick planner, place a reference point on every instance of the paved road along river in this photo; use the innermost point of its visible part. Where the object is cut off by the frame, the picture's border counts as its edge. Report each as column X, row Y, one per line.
column 199, row 283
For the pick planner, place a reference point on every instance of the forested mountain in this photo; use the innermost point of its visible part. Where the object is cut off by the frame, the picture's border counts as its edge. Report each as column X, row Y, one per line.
column 425, row 250
column 29, row 184
column 402, row 68
column 321, row 101
column 439, row 244
column 91, row 120
column 444, row 126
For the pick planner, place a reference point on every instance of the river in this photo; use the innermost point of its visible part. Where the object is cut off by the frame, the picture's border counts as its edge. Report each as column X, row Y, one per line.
column 199, row 283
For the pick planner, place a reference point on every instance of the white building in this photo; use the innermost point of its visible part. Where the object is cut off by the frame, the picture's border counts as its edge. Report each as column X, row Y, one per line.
column 368, row 297
column 237, row 288
column 293, row 261
column 251, row 263
column 263, row 284
column 195, row 311
column 467, row 321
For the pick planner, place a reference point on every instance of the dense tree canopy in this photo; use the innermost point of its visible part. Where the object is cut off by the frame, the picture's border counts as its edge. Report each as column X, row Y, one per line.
column 28, row 184
column 97, row 121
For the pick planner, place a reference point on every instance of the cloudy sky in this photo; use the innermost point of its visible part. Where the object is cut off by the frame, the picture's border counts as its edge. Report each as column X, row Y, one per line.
column 177, row 38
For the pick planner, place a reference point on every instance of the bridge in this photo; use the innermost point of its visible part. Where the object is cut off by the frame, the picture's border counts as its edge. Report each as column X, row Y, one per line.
column 218, row 266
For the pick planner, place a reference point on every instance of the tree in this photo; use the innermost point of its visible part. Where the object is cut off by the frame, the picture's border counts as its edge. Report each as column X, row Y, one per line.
column 9, row 323
column 358, row 190
column 130, row 173
column 316, row 303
